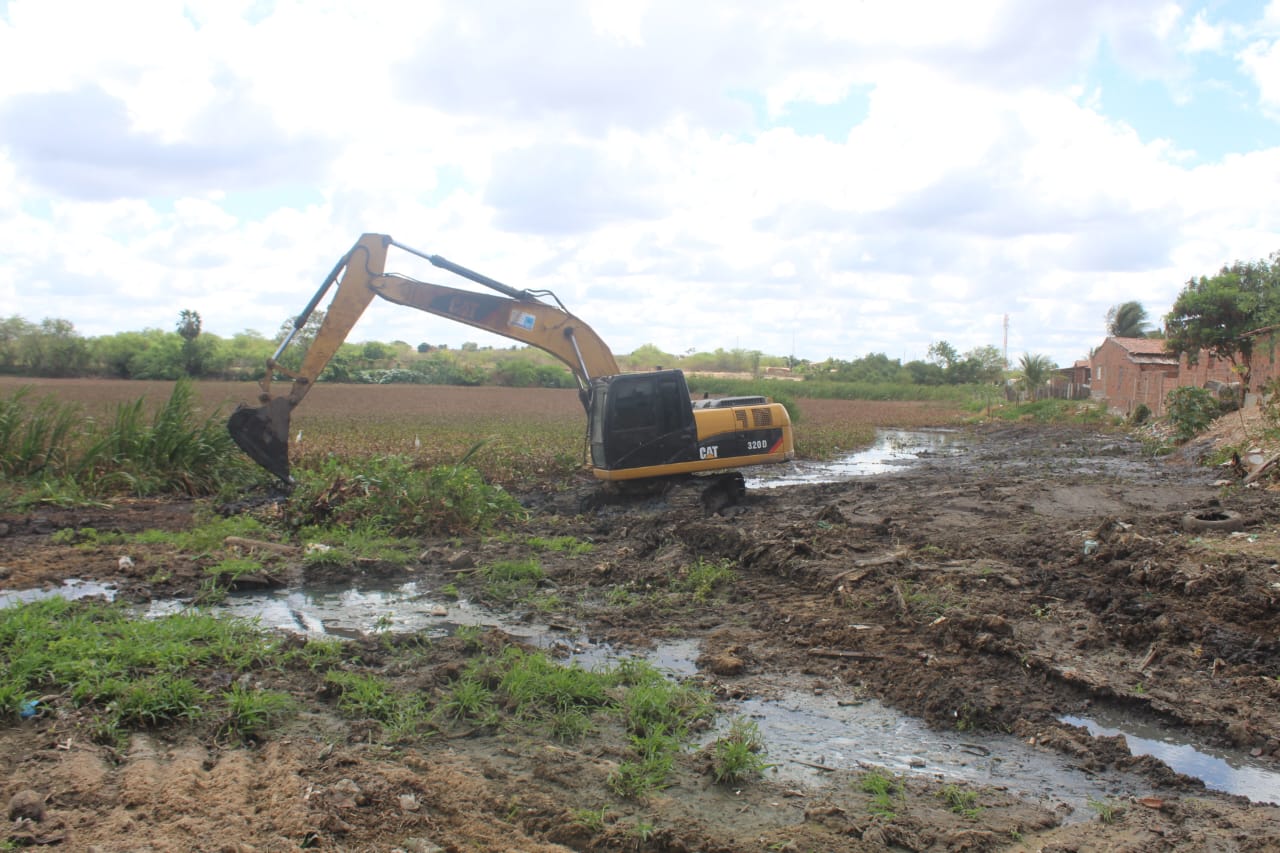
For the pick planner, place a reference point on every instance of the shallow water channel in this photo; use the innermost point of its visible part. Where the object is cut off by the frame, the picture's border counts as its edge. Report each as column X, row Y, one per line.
column 807, row 735
column 892, row 450
column 1220, row 770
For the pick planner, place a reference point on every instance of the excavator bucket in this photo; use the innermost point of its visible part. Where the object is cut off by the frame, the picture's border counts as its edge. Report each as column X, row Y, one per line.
column 263, row 434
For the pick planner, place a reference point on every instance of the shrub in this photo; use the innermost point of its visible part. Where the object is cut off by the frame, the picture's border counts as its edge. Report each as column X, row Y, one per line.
column 1269, row 404
column 1190, row 410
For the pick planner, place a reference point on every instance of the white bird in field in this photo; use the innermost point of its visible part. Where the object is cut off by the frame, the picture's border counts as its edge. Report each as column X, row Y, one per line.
column 417, row 443
column 298, row 438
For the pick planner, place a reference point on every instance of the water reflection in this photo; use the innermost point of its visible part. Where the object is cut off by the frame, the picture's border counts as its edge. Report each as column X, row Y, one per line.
column 1220, row 770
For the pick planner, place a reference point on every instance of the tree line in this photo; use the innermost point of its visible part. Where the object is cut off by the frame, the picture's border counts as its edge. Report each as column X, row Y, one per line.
column 53, row 348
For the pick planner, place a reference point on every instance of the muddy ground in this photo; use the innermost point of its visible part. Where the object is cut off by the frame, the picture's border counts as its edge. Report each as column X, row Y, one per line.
column 1043, row 572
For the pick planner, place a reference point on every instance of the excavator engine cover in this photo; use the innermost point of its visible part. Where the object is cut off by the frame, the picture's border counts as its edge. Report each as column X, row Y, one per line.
column 263, row 434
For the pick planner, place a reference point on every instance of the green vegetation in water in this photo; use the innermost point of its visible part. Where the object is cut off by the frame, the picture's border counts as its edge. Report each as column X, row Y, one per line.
column 339, row 547
column 1108, row 810
column 133, row 673
column 828, row 441
column 231, row 569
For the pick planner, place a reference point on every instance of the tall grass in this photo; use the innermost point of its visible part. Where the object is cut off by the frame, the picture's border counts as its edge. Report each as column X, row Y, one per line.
column 36, row 437
column 55, row 446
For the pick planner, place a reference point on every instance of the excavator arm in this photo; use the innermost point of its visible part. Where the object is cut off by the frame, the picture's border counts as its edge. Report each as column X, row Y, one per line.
column 263, row 431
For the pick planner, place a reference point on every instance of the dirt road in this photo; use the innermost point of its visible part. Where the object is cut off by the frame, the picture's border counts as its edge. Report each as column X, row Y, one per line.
column 1039, row 574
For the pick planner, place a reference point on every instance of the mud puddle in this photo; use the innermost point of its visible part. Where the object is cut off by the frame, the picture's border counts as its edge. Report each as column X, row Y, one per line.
column 893, row 450
column 1228, row 771
column 71, row 589
column 807, row 736
column 350, row 612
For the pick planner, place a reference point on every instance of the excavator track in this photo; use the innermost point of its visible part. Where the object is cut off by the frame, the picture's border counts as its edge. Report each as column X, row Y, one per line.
column 689, row 494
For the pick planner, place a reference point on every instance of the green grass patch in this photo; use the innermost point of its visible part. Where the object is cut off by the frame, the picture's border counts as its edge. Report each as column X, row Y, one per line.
column 703, row 577
column 570, row 545
column 339, row 547
column 252, row 712
column 134, row 673
column 231, row 569
column 366, row 696
column 1108, row 810
column 961, row 801
column 1066, row 412
column 509, row 581
column 207, row 535
column 886, row 792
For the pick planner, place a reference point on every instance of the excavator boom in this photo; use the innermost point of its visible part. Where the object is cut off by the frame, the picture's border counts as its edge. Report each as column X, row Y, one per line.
column 263, row 431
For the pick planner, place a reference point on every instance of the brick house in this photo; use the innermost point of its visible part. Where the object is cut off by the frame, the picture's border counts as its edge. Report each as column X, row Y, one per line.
column 1071, row 383
column 1129, row 371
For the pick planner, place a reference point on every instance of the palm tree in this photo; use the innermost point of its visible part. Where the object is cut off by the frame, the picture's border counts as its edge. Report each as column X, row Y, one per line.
column 1035, row 371
column 189, row 324
column 1127, row 320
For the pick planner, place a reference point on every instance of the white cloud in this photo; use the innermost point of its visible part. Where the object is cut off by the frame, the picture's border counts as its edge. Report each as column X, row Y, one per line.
column 1261, row 60
column 1203, row 36
column 222, row 156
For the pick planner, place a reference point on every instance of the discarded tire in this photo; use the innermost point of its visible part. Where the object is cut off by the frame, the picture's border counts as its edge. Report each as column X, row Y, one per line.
column 1212, row 519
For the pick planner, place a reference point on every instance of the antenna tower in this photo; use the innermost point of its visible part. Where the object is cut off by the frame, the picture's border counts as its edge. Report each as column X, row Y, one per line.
column 1006, row 341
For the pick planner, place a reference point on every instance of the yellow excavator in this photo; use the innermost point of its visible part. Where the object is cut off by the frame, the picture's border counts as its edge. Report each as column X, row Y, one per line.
column 641, row 427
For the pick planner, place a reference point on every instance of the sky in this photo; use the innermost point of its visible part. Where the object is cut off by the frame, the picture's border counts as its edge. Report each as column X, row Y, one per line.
column 818, row 179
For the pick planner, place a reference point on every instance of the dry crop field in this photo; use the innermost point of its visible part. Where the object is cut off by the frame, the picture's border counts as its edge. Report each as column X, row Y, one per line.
column 527, row 436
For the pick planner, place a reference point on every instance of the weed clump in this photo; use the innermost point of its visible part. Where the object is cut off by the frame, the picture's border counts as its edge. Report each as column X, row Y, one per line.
column 737, row 755
column 885, row 790
column 399, row 497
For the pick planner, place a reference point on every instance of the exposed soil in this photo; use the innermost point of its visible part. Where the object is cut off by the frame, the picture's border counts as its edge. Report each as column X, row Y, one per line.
column 1044, row 573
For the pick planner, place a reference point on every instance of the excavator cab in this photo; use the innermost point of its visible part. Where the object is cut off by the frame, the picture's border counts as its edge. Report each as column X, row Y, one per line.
column 640, row 420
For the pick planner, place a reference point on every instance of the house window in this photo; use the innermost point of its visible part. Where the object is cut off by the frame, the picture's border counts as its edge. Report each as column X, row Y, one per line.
column 1099, row 377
